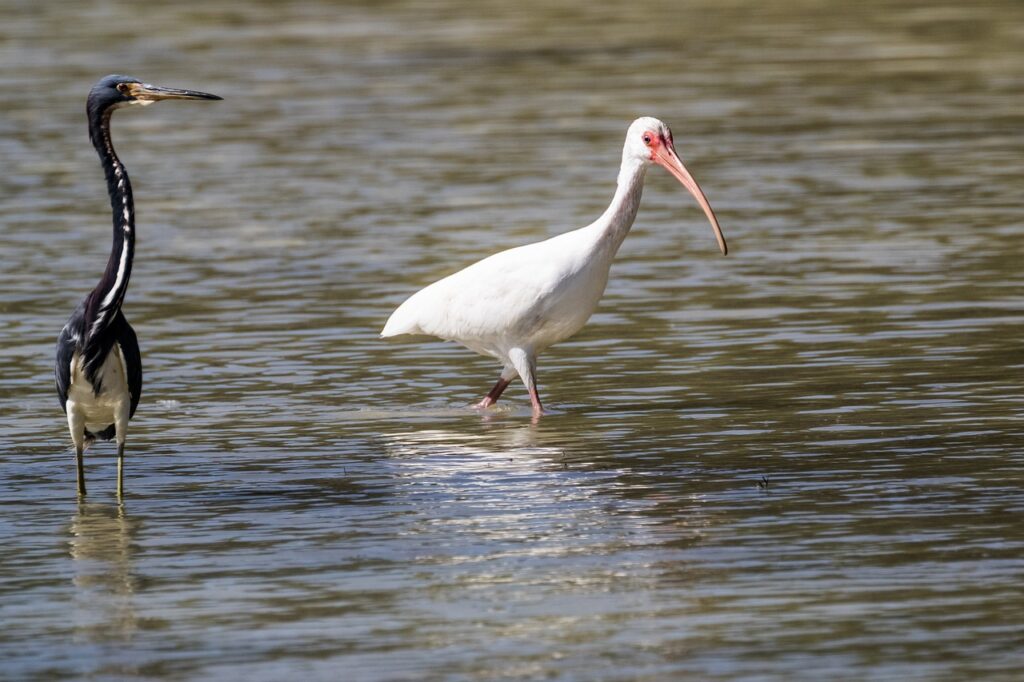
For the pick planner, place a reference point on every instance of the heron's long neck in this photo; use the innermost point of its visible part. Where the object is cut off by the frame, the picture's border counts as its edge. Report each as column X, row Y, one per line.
column 106, row 298
column 612, row 227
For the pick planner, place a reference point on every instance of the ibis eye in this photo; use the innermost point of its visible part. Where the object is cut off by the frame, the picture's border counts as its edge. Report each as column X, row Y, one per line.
column 647, row 139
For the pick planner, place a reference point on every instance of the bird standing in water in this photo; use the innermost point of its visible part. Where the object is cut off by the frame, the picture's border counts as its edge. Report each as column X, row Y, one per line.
column 99, row 368
column 514, row 304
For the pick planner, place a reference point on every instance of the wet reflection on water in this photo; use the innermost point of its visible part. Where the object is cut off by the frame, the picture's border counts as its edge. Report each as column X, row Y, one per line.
column 101, row 545
column 304, row 498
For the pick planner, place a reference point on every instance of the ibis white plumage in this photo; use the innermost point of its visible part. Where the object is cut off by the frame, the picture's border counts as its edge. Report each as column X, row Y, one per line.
column 516, row 303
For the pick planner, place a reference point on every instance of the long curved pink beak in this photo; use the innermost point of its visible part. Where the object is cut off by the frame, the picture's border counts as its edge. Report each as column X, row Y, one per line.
column 666, row 156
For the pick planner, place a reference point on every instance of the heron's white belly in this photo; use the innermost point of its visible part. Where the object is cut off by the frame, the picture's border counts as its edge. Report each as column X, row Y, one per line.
column 99, row 410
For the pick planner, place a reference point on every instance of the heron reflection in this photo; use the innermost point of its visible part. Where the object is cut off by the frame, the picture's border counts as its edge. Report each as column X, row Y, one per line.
column 102, row 545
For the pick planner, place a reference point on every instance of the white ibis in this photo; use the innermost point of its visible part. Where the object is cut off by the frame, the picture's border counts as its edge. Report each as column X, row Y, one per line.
column 514, row 304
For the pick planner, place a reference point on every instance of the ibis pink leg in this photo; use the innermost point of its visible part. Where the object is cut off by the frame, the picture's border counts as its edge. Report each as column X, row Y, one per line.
column 525, row 364
column 538, row 409
column 495, row 393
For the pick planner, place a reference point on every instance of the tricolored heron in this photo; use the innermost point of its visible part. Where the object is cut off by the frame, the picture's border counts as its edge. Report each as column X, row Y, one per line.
column 99, row 368
column 514, row 304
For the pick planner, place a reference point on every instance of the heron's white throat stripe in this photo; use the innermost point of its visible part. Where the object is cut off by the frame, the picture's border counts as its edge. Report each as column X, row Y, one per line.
column 112, row 295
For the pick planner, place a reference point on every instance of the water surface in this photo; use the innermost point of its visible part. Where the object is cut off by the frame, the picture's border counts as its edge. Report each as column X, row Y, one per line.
column 803, row 461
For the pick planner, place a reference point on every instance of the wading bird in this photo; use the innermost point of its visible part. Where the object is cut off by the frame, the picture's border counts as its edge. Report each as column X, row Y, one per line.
column 99, row 369
column 514, row 304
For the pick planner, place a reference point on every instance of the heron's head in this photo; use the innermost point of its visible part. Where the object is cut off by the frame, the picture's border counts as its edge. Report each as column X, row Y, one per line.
column 113, row 92
column 650, row 141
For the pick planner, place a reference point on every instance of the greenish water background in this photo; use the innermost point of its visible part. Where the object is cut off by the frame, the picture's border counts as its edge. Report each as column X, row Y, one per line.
column 307, row 500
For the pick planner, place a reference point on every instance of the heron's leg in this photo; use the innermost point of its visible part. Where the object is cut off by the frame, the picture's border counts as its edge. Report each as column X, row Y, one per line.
column 526, row 365
column 120, row 469
column 121, row 430
column 76, row 425
column 507, row 375
column 80, row 468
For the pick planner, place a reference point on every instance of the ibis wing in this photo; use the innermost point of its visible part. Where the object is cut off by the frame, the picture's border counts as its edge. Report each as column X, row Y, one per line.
column 501, row 296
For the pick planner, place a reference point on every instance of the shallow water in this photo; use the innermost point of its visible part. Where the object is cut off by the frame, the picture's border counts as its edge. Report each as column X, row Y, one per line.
column 803, row 461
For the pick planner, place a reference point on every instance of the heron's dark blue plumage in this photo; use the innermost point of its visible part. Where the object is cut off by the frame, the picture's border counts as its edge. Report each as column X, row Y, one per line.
column 97, row 323
column 97, row 341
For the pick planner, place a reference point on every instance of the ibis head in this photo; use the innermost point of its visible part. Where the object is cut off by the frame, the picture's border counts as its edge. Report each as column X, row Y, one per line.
column 650, row 140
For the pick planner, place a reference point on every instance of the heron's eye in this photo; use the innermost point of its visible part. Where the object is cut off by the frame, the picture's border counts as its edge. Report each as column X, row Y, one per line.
column 647, row 140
